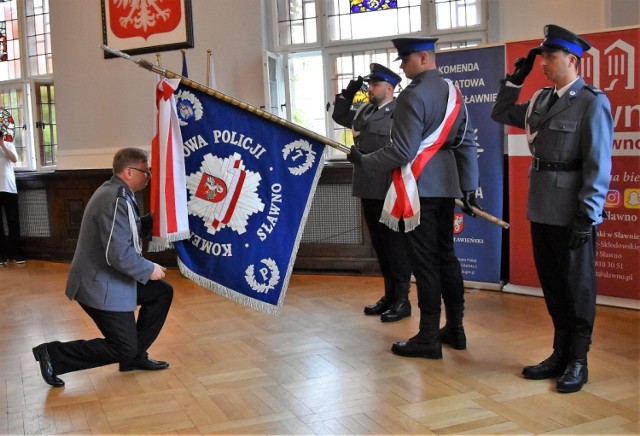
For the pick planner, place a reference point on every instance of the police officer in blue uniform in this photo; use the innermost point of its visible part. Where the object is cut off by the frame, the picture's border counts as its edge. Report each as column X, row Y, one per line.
column 109, row 278
column 570, row 133
column 371, row 126
column 451, row 173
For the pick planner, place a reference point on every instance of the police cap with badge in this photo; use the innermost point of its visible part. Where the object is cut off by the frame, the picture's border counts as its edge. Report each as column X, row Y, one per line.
column 406, row 46
column 382, row 73
column 558, row 38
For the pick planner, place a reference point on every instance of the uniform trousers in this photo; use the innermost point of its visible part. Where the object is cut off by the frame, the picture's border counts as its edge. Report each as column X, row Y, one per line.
column 125, row 339
column 388, row 244
column 568, row 282
column 10, row 244
column 431, row 252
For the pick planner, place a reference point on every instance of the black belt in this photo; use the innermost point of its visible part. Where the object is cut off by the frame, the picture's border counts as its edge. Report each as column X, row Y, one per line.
column 551, row 165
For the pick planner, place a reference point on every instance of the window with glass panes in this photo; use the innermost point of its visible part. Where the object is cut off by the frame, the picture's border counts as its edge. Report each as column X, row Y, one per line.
column 339, row 29
column 28, row 67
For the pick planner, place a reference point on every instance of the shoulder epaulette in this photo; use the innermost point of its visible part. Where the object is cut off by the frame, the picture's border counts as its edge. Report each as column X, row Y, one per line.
column 122, row 192
column 594, row 89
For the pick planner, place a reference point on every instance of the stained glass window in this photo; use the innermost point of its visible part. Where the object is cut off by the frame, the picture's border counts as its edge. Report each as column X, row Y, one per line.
column 358, row 6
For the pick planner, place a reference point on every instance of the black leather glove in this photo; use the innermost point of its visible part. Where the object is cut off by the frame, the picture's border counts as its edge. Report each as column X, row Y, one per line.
column 354, row 156
column 352, row 88
column 522, row 68
column 579, row 231
column 469, row 201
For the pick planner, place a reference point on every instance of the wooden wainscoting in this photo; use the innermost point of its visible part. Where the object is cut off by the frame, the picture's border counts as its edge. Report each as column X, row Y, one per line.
column 335, row 237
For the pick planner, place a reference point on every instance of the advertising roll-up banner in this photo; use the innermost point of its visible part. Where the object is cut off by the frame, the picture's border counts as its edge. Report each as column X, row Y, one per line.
column 612, row 65
column 478, row 242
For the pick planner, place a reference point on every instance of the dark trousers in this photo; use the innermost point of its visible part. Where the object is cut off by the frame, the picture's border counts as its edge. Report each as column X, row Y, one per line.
column 431, row 252
column 568, row 280
column 389, row 245
column 9, row 244
column 125, row 339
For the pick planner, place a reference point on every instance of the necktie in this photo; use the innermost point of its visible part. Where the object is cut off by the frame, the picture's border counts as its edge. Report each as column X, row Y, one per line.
column 554, row 97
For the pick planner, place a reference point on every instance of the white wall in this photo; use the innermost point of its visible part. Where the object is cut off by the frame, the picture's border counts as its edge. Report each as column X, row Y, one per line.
column 105, row 104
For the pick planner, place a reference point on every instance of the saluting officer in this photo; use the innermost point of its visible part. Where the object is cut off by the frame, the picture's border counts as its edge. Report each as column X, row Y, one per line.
column 570, row 134
column 371, row 126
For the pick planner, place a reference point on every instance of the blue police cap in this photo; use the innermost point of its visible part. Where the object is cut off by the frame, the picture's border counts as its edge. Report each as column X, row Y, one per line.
column 406, row 46
column 380, row 72
column 558, row 38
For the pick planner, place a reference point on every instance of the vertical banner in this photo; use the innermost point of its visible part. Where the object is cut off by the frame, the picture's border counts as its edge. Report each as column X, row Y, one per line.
column 250, row 183
column 478, row 242
column 613, row 65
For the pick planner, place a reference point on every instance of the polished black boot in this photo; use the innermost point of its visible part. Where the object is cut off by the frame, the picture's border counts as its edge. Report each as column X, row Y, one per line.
column 552, row 367
column 574, row 377
column 401, row 307
column 425, row 344
column 383, row 304
column 453, row 331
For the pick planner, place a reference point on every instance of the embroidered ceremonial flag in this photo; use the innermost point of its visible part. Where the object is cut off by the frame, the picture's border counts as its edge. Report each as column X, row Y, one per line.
column 250, row 183
column 168, row 196
column 403, row 199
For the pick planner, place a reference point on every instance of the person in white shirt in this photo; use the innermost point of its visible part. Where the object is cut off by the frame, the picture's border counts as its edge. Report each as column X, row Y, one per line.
column 10, row 243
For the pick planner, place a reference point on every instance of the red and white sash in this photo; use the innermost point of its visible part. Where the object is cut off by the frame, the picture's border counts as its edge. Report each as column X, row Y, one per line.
column 403, row 200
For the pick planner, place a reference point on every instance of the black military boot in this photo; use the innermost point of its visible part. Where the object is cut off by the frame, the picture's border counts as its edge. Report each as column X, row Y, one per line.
column 554, row 365
column 401, row 306
column 576, row 373
column 453, row 332
column 425, row 344
column 383, row 304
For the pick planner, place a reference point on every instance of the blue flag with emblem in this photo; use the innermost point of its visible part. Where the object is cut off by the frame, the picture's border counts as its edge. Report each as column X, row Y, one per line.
column 250, row 184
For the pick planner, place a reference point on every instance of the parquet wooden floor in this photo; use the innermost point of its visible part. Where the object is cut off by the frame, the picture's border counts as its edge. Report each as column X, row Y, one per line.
column 321, row 367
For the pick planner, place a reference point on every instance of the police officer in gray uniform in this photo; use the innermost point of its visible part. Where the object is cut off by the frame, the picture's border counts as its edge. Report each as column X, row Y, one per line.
column 109, row 278
column 450, row 173
column 570, row 133
column 371, row 125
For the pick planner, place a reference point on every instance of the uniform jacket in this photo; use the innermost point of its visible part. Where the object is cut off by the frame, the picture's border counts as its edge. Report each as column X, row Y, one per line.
column 106, row 278
column 420, row 108
column 373, row 129
column 578, row 127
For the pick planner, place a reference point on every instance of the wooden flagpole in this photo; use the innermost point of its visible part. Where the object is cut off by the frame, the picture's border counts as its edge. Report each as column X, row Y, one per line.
column 264, row 114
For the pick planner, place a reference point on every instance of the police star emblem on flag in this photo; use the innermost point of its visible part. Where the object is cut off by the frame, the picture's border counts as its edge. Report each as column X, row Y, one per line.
column 224, row 193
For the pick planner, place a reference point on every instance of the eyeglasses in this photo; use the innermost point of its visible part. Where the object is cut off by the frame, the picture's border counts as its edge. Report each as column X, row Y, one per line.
column 146, row 173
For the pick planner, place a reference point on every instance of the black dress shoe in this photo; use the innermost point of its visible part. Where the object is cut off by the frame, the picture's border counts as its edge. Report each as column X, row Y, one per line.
column 453, row 336
column 46, row 366
column 416, row 348
column 397, row 311
column 377, row 309
column 147, row 364
column 574, row 377
column 552, row 367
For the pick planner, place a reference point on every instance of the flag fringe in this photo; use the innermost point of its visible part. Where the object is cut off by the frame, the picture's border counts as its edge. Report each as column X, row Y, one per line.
column 158, row 243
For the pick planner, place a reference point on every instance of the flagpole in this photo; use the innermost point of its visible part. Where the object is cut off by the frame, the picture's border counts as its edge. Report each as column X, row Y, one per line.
column 228, row 99
column 264, row 114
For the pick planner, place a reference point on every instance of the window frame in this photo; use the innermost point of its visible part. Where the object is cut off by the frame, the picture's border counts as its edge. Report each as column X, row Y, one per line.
column 27, row 83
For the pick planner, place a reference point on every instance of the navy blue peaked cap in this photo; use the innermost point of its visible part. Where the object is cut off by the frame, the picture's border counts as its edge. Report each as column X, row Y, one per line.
column 406, row 46
column 558, row 38
column 380, row 72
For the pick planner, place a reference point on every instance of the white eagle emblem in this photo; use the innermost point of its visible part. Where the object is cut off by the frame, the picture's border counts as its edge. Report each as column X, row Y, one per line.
column 224, row 194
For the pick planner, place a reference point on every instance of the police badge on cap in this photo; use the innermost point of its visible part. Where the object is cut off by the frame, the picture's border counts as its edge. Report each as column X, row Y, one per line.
column 558, row 38
column 382, row 73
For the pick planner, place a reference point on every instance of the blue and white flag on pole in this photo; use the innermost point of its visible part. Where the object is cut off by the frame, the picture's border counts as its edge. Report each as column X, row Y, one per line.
column 250, row 184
